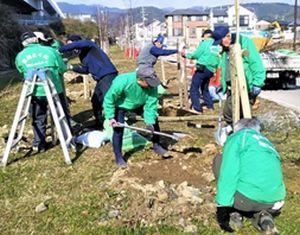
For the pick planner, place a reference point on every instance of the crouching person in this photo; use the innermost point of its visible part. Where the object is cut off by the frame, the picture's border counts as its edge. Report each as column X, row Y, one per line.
column 249, row 179
column 135, row 92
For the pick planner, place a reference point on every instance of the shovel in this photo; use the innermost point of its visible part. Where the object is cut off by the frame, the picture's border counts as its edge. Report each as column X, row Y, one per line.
column 219, row 133
column 174, row 136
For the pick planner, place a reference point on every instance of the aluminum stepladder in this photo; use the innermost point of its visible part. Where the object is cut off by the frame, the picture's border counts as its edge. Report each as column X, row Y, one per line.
column 33, row 78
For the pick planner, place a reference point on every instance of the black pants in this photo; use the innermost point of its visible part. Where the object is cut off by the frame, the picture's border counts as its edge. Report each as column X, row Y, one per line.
column 227, row 111
column 98, row 97
column 201, row 80
column 241, row 202
column 38, row 111
column 118, row 132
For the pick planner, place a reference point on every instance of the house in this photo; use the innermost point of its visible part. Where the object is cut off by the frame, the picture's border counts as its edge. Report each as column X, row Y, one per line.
column 263, row 25
column 248, row 18
column 226, row 16
column 143, row 33
column 186, row 25
column 218, row 17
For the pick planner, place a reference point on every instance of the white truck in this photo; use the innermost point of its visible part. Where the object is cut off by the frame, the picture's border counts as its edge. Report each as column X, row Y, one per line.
column 283, row 68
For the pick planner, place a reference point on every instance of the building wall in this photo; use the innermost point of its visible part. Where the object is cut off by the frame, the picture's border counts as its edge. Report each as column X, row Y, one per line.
column 189, row 28
column 243, row 12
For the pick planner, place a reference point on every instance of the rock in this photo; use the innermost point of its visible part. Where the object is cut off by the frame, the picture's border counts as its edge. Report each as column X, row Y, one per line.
column 184, row 168
column 181, row 222
column 191, row 229
column 113, row 214
column 208, row 176
column 210, row 149
column 4, row 132
column 162, row 195
column 188, row 193
column 161, row 183
column 206, row 223
column 172, row 194
column 191, row 155
column 41, row 208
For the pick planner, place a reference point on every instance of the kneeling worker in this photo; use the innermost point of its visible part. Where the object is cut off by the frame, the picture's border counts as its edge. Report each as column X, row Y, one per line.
column 249, row 179
column 135, row 92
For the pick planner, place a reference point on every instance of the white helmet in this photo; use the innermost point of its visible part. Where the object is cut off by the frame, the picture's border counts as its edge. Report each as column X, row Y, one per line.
column 40, row 36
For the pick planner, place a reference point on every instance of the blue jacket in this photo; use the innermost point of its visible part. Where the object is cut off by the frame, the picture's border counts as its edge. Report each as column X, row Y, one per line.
column 93, row 59
column 150, row 53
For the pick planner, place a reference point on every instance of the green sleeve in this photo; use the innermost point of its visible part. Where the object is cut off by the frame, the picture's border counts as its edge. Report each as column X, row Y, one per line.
column 113, row 94
column 256, row 65
column 150, row 108
column 196, row 53
column 229, row 172
column 62, row 67
column 19, row 66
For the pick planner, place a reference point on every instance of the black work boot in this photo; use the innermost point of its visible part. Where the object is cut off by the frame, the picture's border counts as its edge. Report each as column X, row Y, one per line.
column 236, row 220
column 158, row 149
column 265, row 223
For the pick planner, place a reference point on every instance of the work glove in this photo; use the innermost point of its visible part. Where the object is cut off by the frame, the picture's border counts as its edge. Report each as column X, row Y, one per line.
column 150, row 128
column 112, row 122
column 256, row 91
column 223, row 218
column 70, row 67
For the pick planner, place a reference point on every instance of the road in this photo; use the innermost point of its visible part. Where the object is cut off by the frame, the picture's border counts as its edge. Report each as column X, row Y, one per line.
column 287, row 98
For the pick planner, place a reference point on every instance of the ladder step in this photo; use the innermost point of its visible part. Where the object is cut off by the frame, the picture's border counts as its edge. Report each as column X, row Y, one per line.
column 28, row 95
column 61, row 118
column 15, row 142
column 54, row 94
column 22, row 118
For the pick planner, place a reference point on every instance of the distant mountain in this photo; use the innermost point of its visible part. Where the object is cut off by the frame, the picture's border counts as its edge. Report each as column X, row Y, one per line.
column 88, row 9
column 266, row 11
column 273, row 11
column 168, row 9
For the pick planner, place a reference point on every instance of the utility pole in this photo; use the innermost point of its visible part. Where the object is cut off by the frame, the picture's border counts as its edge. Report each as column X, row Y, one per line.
column 143, row 13
column 99, row 26
column 102, row 20
column 295, row 24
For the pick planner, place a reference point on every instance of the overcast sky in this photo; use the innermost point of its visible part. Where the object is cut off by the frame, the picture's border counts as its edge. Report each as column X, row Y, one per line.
column 165, row 3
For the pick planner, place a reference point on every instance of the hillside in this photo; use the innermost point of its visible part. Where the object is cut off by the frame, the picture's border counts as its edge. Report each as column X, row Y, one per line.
column 275, row 11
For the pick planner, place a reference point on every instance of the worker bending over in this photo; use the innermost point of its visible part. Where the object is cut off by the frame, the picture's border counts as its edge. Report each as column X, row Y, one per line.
column 249, row 179
column 97, row 63
column 135, row 92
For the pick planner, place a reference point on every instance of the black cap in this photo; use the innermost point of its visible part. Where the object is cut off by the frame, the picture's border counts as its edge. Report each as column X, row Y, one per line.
column 27, row 35
column 207, row 31
column 148, row 74
column 74, row 38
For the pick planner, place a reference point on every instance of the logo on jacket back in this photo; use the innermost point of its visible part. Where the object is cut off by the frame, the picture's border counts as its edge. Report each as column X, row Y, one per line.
column 35, row 59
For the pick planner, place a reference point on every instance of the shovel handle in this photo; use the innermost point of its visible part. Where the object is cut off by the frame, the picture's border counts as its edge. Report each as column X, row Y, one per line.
column 146, row 131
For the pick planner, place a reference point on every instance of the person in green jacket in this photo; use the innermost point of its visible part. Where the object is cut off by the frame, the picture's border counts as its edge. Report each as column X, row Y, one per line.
column 135, row 92
column 207, row 57
column 35, row 56
column 249, row 178
column 255, row 72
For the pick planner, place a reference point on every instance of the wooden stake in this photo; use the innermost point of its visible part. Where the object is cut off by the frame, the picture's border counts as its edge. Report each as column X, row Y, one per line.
column 179, row 76
column 85, row 86
column 163, row 73
column 235, row 97
column 238, row 81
